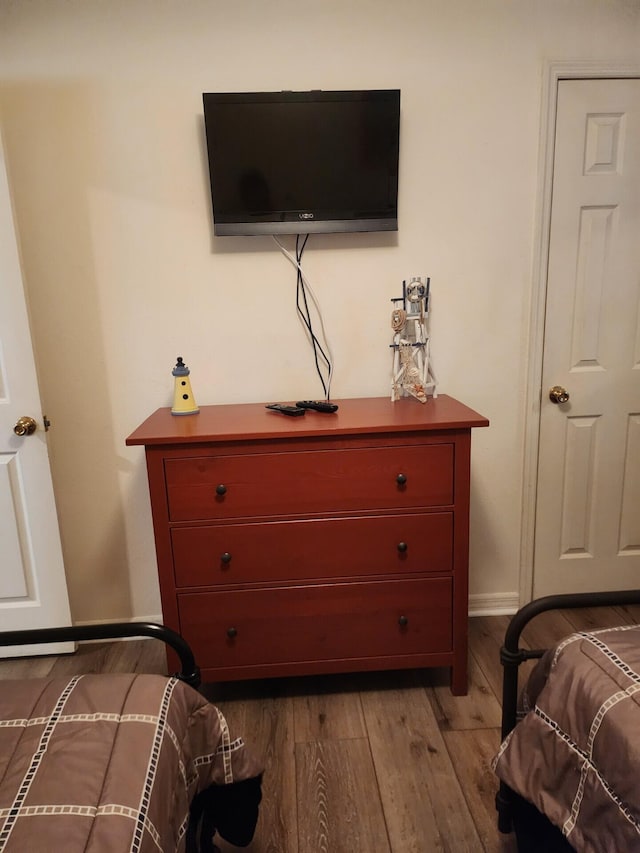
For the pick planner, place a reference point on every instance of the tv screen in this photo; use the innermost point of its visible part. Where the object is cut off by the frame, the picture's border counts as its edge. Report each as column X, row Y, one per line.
column 303, row 162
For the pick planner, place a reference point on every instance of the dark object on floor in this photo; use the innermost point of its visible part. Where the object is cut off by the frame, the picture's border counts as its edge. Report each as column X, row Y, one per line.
column 534, row 832
column 229, row 810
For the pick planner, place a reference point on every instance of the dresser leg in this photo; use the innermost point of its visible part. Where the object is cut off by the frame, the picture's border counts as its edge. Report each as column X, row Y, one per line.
column 459, row 685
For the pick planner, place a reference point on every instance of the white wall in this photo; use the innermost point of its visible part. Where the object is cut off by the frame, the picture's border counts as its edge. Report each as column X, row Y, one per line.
column 102, row 119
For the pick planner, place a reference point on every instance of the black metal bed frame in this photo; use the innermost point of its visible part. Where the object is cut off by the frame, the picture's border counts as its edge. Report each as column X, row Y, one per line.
column 189, row 671
column 511, row 656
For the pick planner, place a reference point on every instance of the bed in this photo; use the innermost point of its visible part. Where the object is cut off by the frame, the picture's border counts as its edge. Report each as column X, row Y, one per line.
column 120, row 762
column 569, row 761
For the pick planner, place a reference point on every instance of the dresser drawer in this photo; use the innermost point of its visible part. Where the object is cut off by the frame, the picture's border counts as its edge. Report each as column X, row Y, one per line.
column 318, row 622
column 321, row 548
column 309, row 482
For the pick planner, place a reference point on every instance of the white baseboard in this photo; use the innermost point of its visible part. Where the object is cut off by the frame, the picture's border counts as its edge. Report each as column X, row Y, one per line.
column 155, row 618
column 494, row 604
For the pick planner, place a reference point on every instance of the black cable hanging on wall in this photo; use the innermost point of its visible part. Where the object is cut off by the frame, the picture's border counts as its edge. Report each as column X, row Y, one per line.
column 303, row 311
column 321, row 351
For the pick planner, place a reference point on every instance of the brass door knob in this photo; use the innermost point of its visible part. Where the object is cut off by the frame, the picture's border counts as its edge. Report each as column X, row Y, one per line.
column 558, row 394
column 25, row 426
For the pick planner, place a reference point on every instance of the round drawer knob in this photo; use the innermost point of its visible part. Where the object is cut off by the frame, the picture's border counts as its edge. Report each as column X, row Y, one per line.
column 401, row 479
column 402, row 547
column 403, row 621
column 221, row 489
column 225, row 558
column 232, row 633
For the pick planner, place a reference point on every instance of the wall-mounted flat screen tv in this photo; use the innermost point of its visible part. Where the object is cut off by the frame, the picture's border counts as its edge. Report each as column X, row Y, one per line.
column 303, row 162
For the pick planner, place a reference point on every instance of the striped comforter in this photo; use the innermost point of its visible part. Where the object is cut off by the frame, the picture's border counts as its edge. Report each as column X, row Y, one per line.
column 576, row 753
column 108, row 762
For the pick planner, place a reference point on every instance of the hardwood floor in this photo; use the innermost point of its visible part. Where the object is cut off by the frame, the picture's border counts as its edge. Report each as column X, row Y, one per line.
column 366, row 762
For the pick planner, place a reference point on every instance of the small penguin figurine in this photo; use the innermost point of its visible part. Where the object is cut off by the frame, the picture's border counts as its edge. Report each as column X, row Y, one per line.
column 183, row 402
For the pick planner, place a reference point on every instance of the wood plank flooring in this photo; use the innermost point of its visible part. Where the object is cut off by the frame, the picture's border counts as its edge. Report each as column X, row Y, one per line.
column 367, row 762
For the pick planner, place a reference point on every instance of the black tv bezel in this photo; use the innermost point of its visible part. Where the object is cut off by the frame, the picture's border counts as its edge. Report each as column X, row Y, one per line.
column 323, row 225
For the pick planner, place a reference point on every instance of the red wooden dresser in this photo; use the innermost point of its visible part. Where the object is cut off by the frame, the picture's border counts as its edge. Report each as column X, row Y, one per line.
column 322, row 543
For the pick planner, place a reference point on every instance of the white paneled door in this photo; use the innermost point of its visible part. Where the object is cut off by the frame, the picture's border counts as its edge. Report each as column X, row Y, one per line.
column 33, row 591
column 588, row 504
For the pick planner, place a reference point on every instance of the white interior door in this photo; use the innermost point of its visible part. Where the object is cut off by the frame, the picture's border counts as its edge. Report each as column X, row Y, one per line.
column 588, row 501
column 33, row 591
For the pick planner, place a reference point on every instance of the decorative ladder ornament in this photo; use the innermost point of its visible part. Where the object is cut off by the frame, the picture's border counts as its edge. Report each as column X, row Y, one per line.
column 413, row 372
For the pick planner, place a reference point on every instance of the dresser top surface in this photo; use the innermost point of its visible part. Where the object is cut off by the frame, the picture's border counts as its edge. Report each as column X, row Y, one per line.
column 252, row 421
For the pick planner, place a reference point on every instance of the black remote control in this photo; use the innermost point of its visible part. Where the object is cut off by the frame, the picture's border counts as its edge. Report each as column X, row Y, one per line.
column 317, row 405
column 292, row 411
